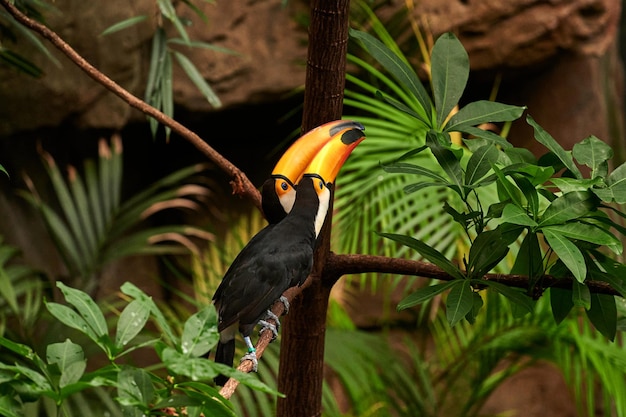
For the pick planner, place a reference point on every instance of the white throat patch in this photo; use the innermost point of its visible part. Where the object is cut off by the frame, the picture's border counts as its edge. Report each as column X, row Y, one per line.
column 322, row 210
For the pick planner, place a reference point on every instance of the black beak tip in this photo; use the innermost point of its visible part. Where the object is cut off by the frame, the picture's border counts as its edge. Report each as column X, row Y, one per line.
column 345, row 125
column 352, row 136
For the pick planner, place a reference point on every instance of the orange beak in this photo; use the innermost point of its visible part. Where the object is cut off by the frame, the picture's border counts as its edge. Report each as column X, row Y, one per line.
column 300, row 154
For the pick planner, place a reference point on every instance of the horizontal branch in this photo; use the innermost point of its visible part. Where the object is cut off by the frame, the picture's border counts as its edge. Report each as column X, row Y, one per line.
column 240, row 183
column 339, row 265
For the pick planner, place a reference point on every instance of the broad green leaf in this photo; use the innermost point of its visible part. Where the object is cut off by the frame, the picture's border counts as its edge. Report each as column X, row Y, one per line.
column 588, row 233
column 459, row 301
column 568, row 253
column 516, row 215
column 561, row 303
column 72, row 373
column 424, row 294
column 483, row 111
column 567, row 185
column 529, row 260
column 603, row 314
column 9, row 407
column 581, row 296
column 477, row 304
column 553, row 146
column 86, row 307
column 132, row 290
column 71, row 319
column 198, row 80
column 568, row 207
column 594, row 153
column 18, row 348
column 447, row 159
column 200, row 332
column 506, row 190
column 516, row 296
column 480, row 163
column 616, row 186
column 132, row 319
column 487, row 250
column 530, row 193
column 134, row 387
column 427, row 252
column 123, row 24
column 398, row 68
column 64, row 354
column 449, row 71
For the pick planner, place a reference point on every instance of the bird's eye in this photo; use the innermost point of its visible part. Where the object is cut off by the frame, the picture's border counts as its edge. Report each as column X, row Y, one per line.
column 284, row 186
column 321, row 184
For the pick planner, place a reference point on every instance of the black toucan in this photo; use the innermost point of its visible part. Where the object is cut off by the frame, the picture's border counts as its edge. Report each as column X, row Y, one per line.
column 281, row 255
column 278, row 191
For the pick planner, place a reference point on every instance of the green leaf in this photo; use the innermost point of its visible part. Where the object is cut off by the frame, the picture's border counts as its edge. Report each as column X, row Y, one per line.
column 86, row 307
column 64, row 354
column 561, row 303
column 588, row 233
column 483, row 111
column 447, row 159
column 487, row 250
column 529, row 260
column 169, row 11
column 197, row 78
column 9, row 407
column 200, row 332
column 124, row 24
column 132, row 290
column 568, row 207
column 20, row 349
column 568, row 253
column 553, row 146
column 450, row 71
column 594, row 153
column 480, row 163
column 506, row 190
column 516, row 296
column 427, row 252
column 406, row 168
column 581, row 296
column 516, row 215
column 134, row 387
column 616, row 186
column 71, row 319
column 459, row 301
column 398, row 68
column 132, row 319
column 424, row 294
column 603, row 314
column 19, row 62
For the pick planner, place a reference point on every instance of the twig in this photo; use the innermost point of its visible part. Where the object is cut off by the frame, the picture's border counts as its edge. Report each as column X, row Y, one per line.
column 240, row 183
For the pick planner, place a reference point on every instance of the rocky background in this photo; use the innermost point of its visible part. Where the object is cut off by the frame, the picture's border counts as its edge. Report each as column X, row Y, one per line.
column 561, row 58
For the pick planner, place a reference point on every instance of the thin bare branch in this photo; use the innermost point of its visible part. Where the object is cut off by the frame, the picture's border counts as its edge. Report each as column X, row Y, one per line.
column 240, row 183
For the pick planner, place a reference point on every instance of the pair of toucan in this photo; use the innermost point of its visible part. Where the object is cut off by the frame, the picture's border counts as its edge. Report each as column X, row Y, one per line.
column 295, row 201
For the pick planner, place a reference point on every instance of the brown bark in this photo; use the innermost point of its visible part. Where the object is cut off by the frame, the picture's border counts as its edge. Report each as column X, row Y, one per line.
column 301, row 371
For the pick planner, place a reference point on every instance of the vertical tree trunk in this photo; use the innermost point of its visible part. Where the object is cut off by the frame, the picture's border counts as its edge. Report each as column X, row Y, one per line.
column 301, row 369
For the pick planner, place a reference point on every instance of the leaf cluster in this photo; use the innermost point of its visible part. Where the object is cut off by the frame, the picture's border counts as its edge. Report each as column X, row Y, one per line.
column 541, row 201
column 62, row 373
column 94, row 226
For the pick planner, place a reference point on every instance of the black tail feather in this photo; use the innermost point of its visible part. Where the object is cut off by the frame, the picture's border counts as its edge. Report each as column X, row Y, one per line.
column 225, row 354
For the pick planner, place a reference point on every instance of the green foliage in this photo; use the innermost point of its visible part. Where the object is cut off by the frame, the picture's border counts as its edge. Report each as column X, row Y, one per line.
column 62, row 373
column 568, row 212
column 12, row 31
column 21, row 292
column 95, row 227
column 159, row 90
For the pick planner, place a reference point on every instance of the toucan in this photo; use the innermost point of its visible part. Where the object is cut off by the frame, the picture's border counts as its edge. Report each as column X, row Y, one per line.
column 278, row 191
column 280, row 256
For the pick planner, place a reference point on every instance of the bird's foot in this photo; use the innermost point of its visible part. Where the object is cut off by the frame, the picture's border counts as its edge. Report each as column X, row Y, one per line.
column 251, row 356
column 269, row 326
column 285, row 302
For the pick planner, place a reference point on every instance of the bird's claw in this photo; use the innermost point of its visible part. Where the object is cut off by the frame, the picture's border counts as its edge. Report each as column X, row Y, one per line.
column 269, row 326
column 251, row 356
column 285, row 302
